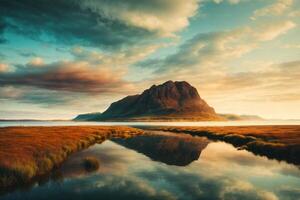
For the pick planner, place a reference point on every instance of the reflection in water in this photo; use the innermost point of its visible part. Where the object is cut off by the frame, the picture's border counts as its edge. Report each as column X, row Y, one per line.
column 221, row 172
column 171, row 149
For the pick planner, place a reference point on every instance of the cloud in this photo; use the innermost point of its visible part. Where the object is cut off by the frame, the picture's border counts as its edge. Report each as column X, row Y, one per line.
column 207, row 50
column 268, row 32
column 279, row 82
column 42, row 98
column 65, row 21
column 10, row 92
column 122, row 58
column 277, row 8
column 189, row 185
column 295, row 13
column 25, row 94
column 3, row 67
column 229, row 1
column 291, row 46
column 108, row 24
column 66, row 76
column 163, row 16
column 36, row 62
column 287, row 192
column 204, row 49
column 93, row 72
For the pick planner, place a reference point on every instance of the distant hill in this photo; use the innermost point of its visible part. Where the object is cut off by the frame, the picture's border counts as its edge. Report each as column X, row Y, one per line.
column 87, row 116
column 234, row 117
column 170, row 101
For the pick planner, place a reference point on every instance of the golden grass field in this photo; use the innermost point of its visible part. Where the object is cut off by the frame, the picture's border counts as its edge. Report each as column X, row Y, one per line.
column 285, row 134
column 28, row 152
column 281, row 142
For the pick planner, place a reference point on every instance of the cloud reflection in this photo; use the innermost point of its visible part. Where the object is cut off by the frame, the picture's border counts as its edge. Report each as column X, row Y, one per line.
column 222, row 172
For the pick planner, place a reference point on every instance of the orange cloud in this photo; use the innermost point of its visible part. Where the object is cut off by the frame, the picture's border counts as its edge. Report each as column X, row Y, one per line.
column 67, row 76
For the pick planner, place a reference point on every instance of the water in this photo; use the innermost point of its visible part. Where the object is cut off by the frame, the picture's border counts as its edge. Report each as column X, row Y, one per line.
column 136, row 124
column 168, row 166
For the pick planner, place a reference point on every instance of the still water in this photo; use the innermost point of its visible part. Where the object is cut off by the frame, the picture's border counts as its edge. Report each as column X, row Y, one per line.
column 202, row 123
column 167, row 166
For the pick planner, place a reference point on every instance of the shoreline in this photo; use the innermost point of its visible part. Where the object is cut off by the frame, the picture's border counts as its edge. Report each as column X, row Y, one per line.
column 30, row 152
column 280, row 142
column 149, row 123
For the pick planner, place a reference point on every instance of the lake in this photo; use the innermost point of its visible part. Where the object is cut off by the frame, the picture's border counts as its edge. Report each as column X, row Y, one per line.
column 167, row 166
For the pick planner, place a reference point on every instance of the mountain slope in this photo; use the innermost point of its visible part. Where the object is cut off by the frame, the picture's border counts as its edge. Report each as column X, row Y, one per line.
column 169, row 101
column 87, row 116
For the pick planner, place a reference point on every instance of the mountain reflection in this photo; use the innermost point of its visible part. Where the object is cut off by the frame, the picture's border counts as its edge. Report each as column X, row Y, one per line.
column 222, row 173
column 171, row 149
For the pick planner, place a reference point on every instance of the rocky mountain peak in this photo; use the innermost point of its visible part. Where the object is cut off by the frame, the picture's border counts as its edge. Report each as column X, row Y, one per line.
column 172, row 99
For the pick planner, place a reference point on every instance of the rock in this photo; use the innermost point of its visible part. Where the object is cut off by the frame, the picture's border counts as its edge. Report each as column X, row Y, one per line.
column 91, row 163
column 166, row 102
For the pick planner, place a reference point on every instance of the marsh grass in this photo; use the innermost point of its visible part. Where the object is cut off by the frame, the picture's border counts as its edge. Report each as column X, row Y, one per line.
column 28, row 152
column 276, row 142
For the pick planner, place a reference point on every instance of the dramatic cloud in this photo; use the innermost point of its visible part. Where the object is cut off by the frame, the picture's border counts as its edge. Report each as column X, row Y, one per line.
column 202, row 50
column 277, row 83
column 97, row 51
column 277, row 75
column 162, row 16
column 277, row 8
column 211, row 49
column 65, row 76
column 67, row 23
column 30, row 95
column 111, row 24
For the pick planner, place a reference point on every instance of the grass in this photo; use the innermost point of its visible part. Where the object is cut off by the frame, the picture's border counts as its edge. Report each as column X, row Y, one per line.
column 277, row 142
column 29, row 152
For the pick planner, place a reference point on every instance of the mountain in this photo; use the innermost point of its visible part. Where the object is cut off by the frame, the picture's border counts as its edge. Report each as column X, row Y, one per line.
column 169, row 101
column 87, row 116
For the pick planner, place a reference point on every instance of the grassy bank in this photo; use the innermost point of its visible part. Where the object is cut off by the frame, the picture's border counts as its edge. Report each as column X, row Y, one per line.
column 29, row 152
column 276, row 142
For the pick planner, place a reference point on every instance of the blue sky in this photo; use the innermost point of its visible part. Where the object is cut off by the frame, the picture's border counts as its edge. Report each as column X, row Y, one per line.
column 68, row 57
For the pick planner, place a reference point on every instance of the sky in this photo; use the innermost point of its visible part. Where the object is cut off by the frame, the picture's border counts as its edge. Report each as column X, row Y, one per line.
column 66, row 57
